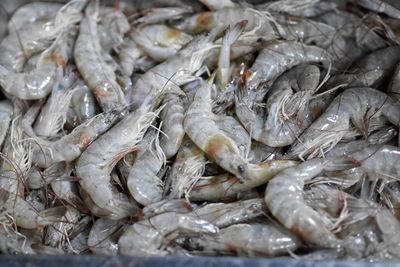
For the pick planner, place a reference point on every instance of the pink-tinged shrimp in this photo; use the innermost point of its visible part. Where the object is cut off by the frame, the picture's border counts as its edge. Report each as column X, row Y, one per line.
column 98, row 75
column 35, row 37
column 350, row 106
column 94, row 171
column 70, row 147
column 39, row 82
column 204, row 132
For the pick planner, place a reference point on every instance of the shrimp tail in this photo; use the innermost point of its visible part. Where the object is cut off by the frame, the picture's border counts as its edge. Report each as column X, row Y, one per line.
column 232, row 35
column 52, row 215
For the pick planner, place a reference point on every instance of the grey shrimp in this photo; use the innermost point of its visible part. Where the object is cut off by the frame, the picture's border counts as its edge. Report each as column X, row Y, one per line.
column 98, row 75
column 350, row 106
column 150, row 236
column 6, row 112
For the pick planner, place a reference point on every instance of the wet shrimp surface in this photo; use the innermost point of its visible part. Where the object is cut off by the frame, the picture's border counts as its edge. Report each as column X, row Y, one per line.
column 201, row 127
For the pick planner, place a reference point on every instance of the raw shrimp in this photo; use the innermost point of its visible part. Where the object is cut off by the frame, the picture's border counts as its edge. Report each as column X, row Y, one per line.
column 6, row 112
column 104, row 235
column 95, row 171
column 67, row 191
column 280, row 56
column 299, row 8
column 19, row 46
column 25, row 215
column 350, row 106
column 53, row 114
column 82, row 106
column 244, row 240
column 174, row 205
column 37, row 179
column 173, row 72
column 128, row 55
column 150, row 236
column 160, row 42
column 112, row 27
column 144, row 181
column 32, row 12
column 70, row 147
column 39, row 82
column 284, row 198
column 217, row 5
column 226, row 214
column 98, row 75
column 161, row 14
column 394, row 86
column 172, row 124
column 220, row 148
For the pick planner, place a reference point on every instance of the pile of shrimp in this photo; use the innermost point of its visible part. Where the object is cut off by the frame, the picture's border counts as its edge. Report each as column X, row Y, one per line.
column 201, row 127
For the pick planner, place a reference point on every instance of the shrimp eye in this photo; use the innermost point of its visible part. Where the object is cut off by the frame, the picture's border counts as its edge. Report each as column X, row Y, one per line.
column 241, row 168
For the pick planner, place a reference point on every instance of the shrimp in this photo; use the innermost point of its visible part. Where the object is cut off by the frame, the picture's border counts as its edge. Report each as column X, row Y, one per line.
column 30, row 13
column 37, row 179
column 173, row 72
column 160, row 42
column 6, row 112
column 113, row 25
column 280, row 56
column 351, row 106
column 70, row 147
column 19, row 46
column 39, row 82
column 394, row 86
column 160, row 14
column 144, row 181
column 104, row 235
column 128, row 55
column 67, row 191
column 244, row 239
column 223, row 72
column 52, row 116
column 150, row 236
column 95, row 171
column 227, row 214
column 172, row 125
column 174, row 205
column 98, row 75
column 82, row 106
column 25, row 215
column 219, row 147
column 217, row 5
column 390, row 8
column 284, row 198
column 299, row 8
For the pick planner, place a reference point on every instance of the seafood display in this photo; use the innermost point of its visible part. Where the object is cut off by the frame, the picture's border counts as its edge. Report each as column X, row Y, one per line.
column 201, row 127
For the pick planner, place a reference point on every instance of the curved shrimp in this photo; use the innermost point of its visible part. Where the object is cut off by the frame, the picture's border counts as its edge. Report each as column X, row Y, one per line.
column 95, row 171
column 172, row 125
column 98, row 75
column 150, row 236
column 52, row 116
column 390, row 8
column 32, row 12
column 220, row 148
column 160, row 42
column 70, row 147
column 244, row 239
column 39, row 82
column 128, row 55
column 350, row 106
column 19, row 46
column 144, row 182
column 173, row 72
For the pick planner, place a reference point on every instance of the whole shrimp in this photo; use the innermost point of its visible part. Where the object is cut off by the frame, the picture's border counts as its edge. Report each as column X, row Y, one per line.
column 173, row 72
column 350, row 106
column 53, row 114
column 144, row 182
column 172, row 124
column 98, row 75
column 243, row 239
column 70, row 147
column 20, row 45
column 95, row 171
column 39, row 82
column 204, row 132
column 150, row 236
column 160, row 42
